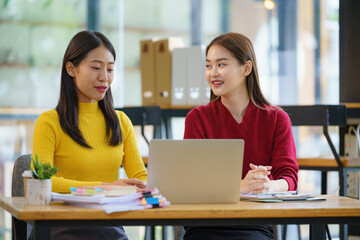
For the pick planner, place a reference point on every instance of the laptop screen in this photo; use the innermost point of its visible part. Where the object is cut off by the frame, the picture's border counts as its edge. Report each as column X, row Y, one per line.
column 196, row 170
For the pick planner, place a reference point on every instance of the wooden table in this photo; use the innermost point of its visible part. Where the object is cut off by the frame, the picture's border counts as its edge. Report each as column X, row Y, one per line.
column 21, row 113
column 335, row 210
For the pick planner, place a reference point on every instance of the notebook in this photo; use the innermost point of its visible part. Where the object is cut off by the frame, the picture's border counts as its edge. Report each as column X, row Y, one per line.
column 280, row 197
column 196, row 170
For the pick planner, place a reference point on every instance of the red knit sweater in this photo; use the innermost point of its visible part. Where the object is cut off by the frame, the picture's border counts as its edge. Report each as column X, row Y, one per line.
column 267, row 134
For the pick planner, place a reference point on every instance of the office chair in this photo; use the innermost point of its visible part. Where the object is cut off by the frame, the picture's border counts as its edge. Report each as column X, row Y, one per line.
column 22, row 163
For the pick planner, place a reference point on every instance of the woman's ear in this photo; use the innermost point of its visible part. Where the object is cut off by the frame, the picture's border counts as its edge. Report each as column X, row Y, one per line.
column 247, row 68
column 70, row 68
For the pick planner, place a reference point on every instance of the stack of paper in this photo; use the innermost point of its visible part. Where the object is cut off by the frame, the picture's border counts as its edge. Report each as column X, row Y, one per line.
column 136, row 201
column 108, row 190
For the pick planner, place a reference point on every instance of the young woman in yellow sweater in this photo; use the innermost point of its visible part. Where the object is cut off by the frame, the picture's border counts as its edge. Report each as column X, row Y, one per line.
column 84, row 136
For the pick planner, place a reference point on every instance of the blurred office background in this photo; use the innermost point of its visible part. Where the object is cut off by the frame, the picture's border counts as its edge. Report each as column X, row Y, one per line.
column 296, row 42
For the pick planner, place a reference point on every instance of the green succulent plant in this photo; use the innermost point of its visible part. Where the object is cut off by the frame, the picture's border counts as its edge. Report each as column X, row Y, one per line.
column 42, row 170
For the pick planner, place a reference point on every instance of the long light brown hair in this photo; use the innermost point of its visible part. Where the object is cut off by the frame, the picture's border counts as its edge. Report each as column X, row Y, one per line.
column 242, row 49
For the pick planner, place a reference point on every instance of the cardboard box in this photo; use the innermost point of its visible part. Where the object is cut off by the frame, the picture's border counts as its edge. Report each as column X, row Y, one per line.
column 163, row 53
column 148, row 74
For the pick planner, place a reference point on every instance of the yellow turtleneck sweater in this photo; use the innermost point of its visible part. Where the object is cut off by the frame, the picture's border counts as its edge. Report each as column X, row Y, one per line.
column 79, row 166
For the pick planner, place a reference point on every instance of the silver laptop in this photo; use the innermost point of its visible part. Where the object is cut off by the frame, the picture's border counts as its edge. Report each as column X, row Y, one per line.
column 196, row 170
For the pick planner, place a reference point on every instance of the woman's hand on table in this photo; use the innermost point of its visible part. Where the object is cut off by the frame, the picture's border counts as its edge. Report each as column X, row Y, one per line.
column 129, row 182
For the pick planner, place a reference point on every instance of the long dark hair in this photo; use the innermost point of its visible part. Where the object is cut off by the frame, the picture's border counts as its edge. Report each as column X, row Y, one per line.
column 68, row 107
column 242, row 49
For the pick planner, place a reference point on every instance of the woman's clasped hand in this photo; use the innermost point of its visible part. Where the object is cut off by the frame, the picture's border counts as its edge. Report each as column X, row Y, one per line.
column 256, row 180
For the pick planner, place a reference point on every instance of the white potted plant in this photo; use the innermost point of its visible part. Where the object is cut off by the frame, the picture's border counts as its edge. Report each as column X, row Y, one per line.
column 38, row 190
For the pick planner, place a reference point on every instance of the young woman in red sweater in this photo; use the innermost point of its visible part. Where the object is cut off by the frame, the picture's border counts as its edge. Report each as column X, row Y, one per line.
column 238, row 110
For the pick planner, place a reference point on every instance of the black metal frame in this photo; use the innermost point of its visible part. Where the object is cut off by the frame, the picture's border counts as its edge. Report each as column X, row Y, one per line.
column 143, row 116
column 317, row 224
column 325, row 116
column 353, row 112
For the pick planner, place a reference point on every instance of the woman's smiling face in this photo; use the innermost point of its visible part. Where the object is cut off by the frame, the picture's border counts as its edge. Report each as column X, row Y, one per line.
column 94, row 74
column 224, row 74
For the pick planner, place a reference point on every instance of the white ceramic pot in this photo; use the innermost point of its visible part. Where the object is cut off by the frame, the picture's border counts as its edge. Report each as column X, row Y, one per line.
column 38, row 192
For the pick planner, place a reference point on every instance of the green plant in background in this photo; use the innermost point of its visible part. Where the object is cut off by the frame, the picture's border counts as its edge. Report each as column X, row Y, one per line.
column 45, row 5
column 6, row 3
column 42, row 170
